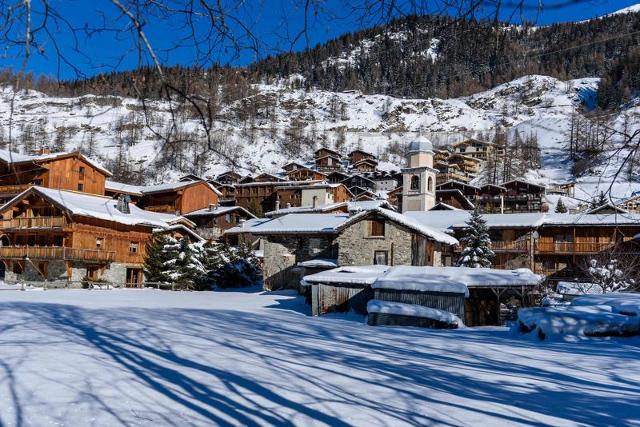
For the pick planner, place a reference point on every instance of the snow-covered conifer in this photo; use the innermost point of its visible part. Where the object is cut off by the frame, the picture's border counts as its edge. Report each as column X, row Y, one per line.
column 477, row 251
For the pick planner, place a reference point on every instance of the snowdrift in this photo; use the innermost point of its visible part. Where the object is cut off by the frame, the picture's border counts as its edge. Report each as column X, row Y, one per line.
column 607, row 315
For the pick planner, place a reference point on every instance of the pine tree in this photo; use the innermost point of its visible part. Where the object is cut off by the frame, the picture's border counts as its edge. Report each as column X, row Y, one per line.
column 477, row 251
column 601, row 200
column 560, row 207
column 157, row 256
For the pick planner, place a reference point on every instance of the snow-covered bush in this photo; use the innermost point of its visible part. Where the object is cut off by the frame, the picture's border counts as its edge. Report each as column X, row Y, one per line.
column 200, row 265
column 610, row 276
column 477, row 251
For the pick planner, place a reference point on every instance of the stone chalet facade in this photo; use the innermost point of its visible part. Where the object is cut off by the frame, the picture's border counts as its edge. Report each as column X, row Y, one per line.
column 376, row 236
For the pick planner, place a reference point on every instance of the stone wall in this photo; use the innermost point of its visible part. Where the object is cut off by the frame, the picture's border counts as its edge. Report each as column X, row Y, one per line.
column 357, row 248
column 282, row 254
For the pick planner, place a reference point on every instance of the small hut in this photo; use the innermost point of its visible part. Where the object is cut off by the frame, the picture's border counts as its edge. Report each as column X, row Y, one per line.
column 471, row 294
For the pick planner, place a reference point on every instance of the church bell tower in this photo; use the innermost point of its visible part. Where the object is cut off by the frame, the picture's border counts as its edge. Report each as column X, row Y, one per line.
column 419, row 177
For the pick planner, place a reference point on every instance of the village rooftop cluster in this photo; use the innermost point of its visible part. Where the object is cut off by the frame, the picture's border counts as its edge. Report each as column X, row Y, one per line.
column 330, row 227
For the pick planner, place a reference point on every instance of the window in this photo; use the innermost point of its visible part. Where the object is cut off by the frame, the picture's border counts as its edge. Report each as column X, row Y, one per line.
column 227, row 218
column 381, row 258
column 81, row 172
column 415, row 182
column 37, row 182
column 430, row 185
column 133, row 247
column 99, row 242
column 376, row 228
column 80, row 187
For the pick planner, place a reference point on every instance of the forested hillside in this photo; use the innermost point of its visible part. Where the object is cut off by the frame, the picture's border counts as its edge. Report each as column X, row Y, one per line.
column 415, row 57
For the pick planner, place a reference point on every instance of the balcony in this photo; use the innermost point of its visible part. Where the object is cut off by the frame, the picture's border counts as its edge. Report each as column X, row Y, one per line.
column 573, row 247
column 510, row 246
column 33, row 222
column 14, row 188
column 56, row 253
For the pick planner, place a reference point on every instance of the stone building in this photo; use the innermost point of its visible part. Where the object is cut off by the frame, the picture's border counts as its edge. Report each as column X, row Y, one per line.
column 376, row 236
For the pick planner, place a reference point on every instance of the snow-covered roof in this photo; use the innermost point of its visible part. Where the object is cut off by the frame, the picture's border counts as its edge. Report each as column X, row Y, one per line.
column 453, row 279
column 12, row 157
column 173, row 186
column 408, row 222
column 99, row 207
column 120, row 187
column 307, row 209
column 444, row 206
column 218, row 210
column 247, row 226
column 413, row 310
column 310, row 223
column 365, row 205
column 279, row 183
column 319, row 263
column 184, row 229
column 448, row 220
column 355, row 275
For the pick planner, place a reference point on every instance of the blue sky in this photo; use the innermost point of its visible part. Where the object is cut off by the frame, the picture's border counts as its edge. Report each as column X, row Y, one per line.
column 273, row 22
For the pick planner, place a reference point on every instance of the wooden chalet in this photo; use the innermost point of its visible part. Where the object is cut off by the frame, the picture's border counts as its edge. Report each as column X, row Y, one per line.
column 229, row 177
column 335, row 177
column 227, row 193
column 289, row 167
column 68, row 171
column 304, row 174
column 323, row 152
column 360, row 181
column 454, row 198
column 523, row 196
column 631, row 204
column 477, row 149
column 261, row 197
column 179, row 197
column 468, row 190
column 365, row 165
column 358, row 155
column 329, row 162
column 60, row 236
column 214, row 220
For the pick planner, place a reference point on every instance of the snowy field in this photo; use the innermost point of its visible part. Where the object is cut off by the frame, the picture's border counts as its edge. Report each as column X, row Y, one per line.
column 143, row 357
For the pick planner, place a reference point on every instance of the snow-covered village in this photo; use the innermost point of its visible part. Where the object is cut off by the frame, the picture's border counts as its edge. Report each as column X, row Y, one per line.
column 320, row 213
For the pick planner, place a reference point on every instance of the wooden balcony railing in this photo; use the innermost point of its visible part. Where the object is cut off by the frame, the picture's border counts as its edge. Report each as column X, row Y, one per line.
column 13, row 189
column 34, row 222
column 513, row 246
column 56, row 252
column 573, row 247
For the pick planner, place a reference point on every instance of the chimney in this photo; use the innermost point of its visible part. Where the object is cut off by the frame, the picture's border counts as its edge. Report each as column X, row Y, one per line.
column 123, row 204
column 44, row 150
column 212, row 207
column 277, row 205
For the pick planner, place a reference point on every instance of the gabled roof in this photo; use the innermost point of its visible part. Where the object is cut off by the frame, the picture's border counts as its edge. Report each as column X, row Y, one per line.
column 457, row 183
column 357, row 175
column 11, row 157
column 229, row 173
column 472, row 141
column 328, row 150
column 497, row 187
column 405, row 221
column 175, row 186
column 119, row 187
column 459, row 196
column 293, row 164
column 521, row 181
column 444, row 207
column 218, row 210
column 98, row 207
column 361, row 152
column 196, row 237
column 337, row 157
column 318, row 223
column 605, row 207
column 373, row 162
column 268, row 175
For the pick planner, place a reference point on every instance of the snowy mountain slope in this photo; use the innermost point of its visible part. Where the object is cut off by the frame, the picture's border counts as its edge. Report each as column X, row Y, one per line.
column 532, row 104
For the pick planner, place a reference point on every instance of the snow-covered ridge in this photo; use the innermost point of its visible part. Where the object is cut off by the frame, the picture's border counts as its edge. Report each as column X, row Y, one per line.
column 531, row 104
